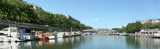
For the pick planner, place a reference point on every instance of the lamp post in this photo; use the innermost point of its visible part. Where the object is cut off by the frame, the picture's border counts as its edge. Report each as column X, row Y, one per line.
column 47, row 27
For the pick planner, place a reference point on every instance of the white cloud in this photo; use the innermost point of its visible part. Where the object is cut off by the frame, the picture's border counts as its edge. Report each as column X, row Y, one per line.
column 96, row 19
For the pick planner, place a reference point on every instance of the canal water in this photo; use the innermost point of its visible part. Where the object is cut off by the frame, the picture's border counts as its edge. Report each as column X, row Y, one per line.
column 98, row 41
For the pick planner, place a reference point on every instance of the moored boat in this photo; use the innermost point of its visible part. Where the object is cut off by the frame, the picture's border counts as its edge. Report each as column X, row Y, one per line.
column 149, row 33
column 37, row 34
column 26, row 34
column 60, row 34
column 67, row 34
column 11, row 34
column 124, row 34
column 156, row 35
column 49, row 35
column 42, row 38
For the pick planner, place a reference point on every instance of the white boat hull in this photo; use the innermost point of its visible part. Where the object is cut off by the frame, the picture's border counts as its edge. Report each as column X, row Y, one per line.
column 7, row 39
column 28, row 37
column 51, row 37
column 60, row 36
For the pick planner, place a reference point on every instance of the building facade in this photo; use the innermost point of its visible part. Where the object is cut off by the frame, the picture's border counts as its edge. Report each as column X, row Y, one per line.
column 151, row 21
column 36, row 7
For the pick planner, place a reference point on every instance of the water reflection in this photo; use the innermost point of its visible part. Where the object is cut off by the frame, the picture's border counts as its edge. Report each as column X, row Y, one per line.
column 143, row 42
column 60, row 43
column 87, row 42
column 9, row 45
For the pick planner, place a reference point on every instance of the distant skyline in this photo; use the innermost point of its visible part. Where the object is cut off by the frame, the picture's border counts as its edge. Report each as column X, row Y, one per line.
column 102, row 13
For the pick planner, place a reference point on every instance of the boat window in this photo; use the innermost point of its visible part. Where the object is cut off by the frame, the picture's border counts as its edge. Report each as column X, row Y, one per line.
column 150, row 32
column 143, row 32
column 4, row 29
column 14, row 30
column 155, row 32
column 20, row 31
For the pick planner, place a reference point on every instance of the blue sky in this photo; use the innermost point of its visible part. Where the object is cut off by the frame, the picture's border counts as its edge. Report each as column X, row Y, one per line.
column 102, row 13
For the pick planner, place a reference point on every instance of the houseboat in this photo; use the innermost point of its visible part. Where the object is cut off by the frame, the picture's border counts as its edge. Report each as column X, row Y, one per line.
column 13, row 34
column 40, row 35
column 149, row 33
column 26, row 34
column 49, row 35
column 60, row 34
column 77, row 33
column 67, row 34
column 123, row 34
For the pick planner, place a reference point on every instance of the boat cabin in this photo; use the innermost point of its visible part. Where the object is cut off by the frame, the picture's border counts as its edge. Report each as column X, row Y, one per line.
column 149, row 32
column 13, row 31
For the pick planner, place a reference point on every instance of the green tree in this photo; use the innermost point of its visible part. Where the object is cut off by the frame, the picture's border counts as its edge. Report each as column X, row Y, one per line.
column 117, row 30
column 156, row 25
column 18, row 10
column 88, row 27
column 148, row 25
column 133, row 27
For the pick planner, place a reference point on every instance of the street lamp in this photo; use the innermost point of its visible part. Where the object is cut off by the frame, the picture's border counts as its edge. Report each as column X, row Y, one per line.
column 47, row 27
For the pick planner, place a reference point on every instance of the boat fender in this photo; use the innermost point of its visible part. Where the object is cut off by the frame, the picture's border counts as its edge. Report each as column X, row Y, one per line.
column 15, row 40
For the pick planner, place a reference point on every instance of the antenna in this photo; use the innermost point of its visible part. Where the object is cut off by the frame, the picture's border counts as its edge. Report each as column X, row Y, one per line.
column 106, row 26
column 67, row 16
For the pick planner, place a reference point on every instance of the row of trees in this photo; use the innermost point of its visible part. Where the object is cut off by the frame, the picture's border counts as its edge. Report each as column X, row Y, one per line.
column 137, row 26
column 18, row 10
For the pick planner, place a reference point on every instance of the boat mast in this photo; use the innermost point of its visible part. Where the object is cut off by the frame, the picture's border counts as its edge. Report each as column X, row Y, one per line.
column 9, row 29
column 67, row 16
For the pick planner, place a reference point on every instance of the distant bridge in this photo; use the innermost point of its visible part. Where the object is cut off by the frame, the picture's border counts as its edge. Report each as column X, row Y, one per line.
column 90, row 31
column 98, row 30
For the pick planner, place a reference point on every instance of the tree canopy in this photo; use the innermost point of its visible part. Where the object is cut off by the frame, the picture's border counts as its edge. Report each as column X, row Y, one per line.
column 137, row 26
column 19, row 10
column 133, row 27
column 117, row 30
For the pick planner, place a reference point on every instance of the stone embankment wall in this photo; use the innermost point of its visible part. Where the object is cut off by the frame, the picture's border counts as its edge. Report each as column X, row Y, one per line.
column 36, row 27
